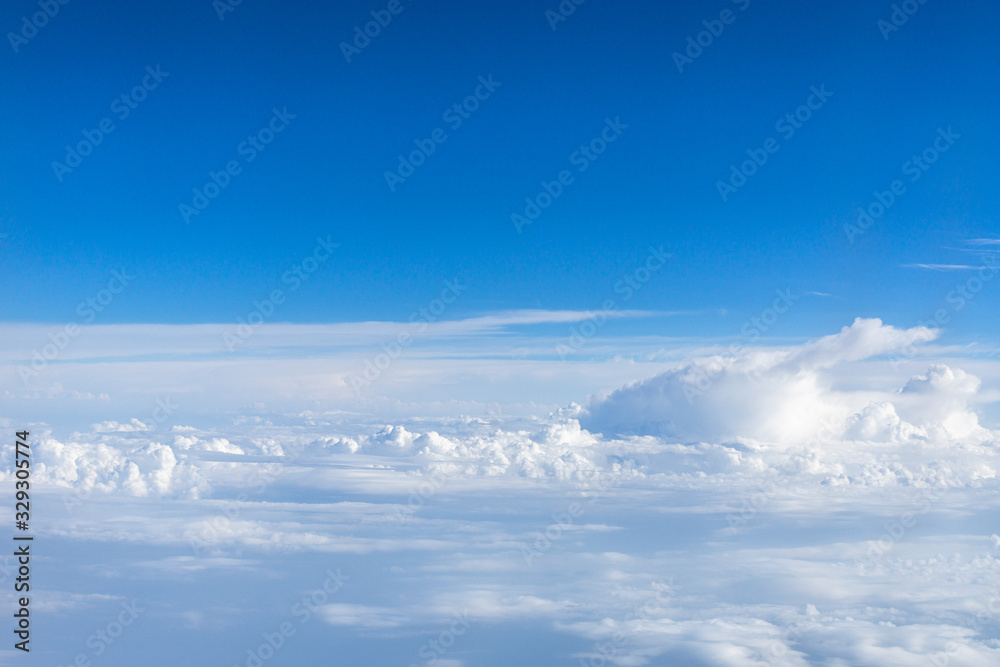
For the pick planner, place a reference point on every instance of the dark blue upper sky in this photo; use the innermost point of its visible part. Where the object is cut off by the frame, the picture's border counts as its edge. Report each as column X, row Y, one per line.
column 656, row 184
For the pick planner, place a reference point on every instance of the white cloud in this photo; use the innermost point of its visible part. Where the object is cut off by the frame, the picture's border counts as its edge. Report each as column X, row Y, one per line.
column 777, row 395
column 943, row 267
column 361, row 616
column 818, row 449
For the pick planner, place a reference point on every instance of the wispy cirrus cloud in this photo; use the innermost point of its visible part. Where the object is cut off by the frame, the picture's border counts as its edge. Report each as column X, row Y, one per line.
column 987, row 251
column 943, row 267
column 173, row 340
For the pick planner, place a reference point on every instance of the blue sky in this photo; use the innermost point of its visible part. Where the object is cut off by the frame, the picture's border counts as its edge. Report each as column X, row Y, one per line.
column 324, row 173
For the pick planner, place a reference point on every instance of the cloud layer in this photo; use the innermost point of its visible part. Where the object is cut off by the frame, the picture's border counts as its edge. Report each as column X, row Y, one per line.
column 831, row 502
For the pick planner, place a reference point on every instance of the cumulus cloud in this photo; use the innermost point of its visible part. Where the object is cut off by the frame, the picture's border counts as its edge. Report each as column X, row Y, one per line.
column 878, row 422
column 772, row 395
column 938, row 401
column 863, row 339
column 113, row 463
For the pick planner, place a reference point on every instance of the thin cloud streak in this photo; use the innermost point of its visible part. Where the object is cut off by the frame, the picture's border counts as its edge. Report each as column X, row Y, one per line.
column 943, row 267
